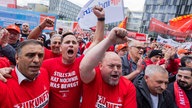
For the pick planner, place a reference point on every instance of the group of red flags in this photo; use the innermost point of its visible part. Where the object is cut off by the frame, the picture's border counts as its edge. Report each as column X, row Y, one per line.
column 180, row 26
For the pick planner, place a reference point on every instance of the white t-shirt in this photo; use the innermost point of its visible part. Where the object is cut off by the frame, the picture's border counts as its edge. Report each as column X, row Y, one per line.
column 155, row 100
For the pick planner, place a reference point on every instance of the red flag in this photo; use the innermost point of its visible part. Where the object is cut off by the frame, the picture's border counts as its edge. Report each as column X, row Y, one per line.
column 179, row 21
column 182, row 23
column 160, row 27
column 186, row 27
column 76, row 28
column 123, row 24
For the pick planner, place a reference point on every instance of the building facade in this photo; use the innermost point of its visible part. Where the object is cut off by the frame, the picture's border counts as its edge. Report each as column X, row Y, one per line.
column 134, row 21
column 65, row 9
column 37, row 7
column 163, row 10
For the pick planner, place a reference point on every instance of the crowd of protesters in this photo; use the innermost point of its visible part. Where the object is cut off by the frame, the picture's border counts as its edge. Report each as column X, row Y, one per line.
column 112, row 72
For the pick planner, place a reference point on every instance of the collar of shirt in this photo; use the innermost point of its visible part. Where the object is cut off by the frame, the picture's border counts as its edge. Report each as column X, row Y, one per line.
column 21, row 77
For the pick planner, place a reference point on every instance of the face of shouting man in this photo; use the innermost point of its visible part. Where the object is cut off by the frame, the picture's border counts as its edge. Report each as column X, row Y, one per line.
column 111, row 68
column 69, row 49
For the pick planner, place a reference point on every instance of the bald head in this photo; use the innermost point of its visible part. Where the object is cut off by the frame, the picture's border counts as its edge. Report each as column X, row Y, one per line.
column 110, row 55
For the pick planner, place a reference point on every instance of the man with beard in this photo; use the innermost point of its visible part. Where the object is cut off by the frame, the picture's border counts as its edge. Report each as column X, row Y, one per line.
column 151, row 90
column 182, row 88
column 104, row 87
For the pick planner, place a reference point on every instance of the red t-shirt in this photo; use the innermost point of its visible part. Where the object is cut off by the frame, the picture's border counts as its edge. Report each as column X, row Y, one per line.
column 99, row 94
column 87, row 45
column 28, row 94
column 49, row 54
column 4, row 62
column 65, row 83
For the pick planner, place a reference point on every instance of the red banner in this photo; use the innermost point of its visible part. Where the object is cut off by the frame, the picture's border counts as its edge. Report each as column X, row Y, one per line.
column 140, row 37
column 137, row 36
column 160, row 27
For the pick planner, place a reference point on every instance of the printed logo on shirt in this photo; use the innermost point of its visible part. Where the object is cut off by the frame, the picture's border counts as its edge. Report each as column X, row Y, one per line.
column 39, row 102
column 103, row 103
column 64, row 80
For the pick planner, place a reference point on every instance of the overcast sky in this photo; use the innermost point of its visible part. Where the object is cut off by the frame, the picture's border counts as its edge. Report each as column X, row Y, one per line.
column 131, row 4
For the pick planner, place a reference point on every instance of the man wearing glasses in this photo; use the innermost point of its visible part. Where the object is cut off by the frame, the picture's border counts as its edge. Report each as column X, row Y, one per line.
column 132, row 62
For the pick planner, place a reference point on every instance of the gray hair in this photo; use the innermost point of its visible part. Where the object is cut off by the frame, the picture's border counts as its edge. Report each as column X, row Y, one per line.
column 152, row 69
column 132, row 43
column 55, row 35
column 27, row 42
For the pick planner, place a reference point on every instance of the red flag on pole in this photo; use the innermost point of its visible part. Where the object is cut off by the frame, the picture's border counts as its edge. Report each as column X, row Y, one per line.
column 123, row 24
column 182, row 23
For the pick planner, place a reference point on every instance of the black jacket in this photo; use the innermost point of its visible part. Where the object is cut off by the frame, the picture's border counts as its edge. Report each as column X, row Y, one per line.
column 9, row 52
column 144, row 98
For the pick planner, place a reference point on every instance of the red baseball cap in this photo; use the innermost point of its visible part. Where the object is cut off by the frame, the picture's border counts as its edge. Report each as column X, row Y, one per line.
column 121, row 46
column 182, row 51
column 13, row 27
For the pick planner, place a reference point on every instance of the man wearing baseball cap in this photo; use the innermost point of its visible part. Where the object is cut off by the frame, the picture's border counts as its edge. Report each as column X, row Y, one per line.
column 182, row 52
column 6, row 50
column 121, row 49
column 14, row 31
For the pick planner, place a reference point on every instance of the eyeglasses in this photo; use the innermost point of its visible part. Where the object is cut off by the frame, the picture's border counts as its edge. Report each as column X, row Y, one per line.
column 139, row 47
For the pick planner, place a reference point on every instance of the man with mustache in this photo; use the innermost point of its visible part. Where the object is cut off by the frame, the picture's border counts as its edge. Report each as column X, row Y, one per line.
column 151, row 90
column 104, row 86
column 182, row 88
